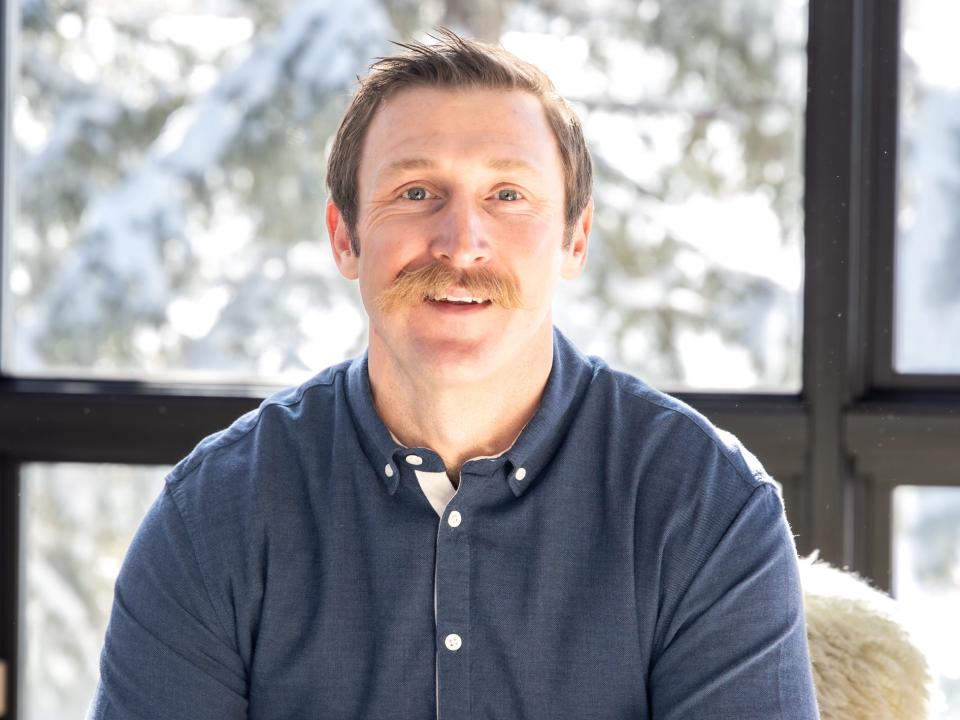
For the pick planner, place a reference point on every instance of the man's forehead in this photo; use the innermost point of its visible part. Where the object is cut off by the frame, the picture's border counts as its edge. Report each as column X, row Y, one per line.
column 412, row 107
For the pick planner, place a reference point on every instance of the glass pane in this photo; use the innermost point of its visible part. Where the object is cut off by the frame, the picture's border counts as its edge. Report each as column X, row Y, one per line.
column 77, row 521
column 927, row 327
column 926, row 580
column 170, row 181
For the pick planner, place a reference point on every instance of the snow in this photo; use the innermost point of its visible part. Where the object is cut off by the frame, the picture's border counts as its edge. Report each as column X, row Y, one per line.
column 72, row 122
column 639, row 148
column 207, row 35
column 740, row 233
column 930, row 40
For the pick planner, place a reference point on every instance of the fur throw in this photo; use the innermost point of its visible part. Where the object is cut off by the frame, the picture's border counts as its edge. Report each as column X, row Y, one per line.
column 865, row 665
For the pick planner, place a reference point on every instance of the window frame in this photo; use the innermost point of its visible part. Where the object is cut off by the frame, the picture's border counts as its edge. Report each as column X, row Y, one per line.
column 855, row 431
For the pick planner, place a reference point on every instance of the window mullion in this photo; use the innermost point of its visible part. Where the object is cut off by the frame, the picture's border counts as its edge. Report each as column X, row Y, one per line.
column 832, row 222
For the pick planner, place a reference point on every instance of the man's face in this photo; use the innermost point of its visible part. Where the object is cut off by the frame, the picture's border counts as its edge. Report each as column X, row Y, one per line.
column 468, row 181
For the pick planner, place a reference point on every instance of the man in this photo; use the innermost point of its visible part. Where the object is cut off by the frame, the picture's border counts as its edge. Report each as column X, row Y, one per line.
column 472, row 520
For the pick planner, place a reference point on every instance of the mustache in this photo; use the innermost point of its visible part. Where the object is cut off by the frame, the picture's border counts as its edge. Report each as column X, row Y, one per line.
column 411, row 288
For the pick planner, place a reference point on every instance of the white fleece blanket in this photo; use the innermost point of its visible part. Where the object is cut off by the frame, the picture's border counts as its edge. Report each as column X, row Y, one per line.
column 865, row 664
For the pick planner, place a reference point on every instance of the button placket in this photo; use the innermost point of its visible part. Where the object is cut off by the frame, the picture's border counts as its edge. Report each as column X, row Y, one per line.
column 453, row 612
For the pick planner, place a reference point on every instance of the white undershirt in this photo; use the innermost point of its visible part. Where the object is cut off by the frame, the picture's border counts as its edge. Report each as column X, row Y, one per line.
column 437, row 486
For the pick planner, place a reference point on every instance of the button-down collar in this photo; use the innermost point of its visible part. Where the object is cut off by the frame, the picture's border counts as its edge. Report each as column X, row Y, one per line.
column 569, row 378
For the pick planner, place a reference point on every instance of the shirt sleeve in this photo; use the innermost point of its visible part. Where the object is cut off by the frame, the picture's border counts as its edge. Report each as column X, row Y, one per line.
column 736, row 646
column 167, row 653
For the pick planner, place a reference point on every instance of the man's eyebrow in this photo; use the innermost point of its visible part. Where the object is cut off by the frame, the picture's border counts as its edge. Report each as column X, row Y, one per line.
column 411, row 163
column 508, row 163
column 425, row 163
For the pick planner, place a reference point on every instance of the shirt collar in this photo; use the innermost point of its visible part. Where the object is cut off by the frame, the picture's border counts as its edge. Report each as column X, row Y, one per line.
column 379, row 447
column 570, row 375
column 562, row 398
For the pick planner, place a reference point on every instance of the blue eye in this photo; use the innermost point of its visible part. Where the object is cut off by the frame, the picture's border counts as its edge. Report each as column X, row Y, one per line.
column 414, row 193
column 508, row 195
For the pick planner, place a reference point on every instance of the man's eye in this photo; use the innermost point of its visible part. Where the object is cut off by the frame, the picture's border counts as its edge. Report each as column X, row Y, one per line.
column 415, row 193
column 508, row 195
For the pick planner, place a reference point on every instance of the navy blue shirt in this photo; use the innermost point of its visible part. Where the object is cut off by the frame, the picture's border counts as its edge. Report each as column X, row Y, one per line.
column 623, row 559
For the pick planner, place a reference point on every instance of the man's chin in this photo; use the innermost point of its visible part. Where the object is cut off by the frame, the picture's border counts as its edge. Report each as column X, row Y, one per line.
column 451, row 360
column 454, row 353
column 450, row 351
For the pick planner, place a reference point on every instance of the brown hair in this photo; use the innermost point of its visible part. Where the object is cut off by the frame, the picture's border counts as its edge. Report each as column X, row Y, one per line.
column 454, row 62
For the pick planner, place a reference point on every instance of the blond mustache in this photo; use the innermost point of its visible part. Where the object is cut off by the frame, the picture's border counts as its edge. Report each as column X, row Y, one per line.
column 412, row 288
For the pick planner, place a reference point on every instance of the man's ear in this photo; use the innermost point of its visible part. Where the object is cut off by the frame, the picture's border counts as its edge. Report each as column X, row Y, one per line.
column 343, row 254
column 575, row 253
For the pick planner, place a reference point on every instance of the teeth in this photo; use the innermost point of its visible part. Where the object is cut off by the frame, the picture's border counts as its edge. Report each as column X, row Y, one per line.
column 461, row 300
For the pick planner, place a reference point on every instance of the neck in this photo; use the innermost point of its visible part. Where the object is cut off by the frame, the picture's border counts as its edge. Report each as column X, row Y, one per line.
column 459, row 421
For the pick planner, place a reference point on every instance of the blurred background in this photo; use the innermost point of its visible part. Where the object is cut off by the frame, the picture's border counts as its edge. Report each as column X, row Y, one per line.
column 163, row 227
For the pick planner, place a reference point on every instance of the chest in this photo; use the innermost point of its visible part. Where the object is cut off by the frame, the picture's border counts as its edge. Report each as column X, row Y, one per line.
column 495, row 609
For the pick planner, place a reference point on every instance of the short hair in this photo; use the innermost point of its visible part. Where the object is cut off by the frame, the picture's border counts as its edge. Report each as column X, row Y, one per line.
column 454, row 62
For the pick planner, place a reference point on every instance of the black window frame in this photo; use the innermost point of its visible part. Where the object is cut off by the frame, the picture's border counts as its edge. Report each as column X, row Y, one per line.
column 840, row 446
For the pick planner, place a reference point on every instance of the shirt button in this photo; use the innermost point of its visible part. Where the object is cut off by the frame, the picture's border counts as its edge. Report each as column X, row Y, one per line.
column 521, row 473
column 388, row 471
column 454, row 519
column 414, row 459
column 453, row 642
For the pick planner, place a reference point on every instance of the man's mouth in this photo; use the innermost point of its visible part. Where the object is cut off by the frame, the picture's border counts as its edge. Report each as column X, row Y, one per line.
column 458, row 300
column 448, row 289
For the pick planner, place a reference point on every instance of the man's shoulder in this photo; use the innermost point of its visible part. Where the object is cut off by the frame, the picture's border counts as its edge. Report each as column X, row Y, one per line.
column 668, row 429
column 303, row 409
column 691, row 481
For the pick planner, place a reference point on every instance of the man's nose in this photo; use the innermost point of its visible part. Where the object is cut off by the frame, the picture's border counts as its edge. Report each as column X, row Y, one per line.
column 461, row 236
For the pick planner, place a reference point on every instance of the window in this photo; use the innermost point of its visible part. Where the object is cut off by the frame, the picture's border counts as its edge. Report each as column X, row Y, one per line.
column 169, row 183
column 77, row 520
column 927, row 325
column 927, row 579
